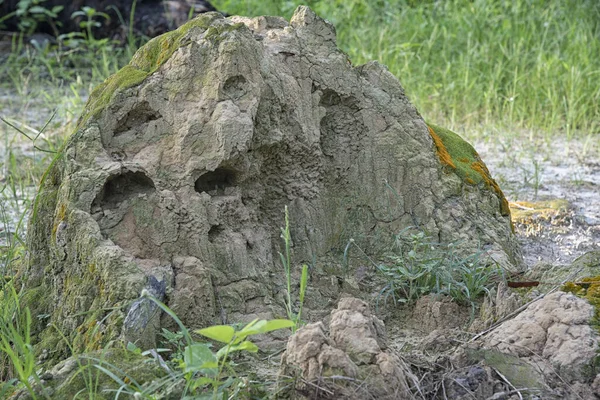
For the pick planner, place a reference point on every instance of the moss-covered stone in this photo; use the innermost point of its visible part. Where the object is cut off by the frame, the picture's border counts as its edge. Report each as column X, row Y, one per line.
column 460, row 157
column 147, row 60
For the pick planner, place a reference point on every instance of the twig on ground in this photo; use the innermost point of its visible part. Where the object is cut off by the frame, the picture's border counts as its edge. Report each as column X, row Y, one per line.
column 508, row 383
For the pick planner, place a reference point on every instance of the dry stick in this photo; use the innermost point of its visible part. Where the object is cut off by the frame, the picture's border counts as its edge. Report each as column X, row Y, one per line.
column 417, row 383
column 516, row 205
column 469, row 392
column 444, row 389
column 508, row 382
column 344, row 378
column 317, row 388
column 523, row 307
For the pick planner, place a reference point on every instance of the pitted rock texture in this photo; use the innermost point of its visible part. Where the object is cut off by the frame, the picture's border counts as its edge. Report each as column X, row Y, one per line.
column 183, row 161
column 556, row 328
column 349, row 362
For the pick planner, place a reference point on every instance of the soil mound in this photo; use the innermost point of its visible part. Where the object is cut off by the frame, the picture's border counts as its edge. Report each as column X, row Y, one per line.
column 178, row 174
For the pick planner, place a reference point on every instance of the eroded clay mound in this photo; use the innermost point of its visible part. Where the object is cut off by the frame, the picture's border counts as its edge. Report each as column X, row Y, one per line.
column 178, row 174
column 351, row 361
column 556, row 329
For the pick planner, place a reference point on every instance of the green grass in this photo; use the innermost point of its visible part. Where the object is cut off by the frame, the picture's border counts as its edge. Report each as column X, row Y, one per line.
column 416, row 265
column 466, row 63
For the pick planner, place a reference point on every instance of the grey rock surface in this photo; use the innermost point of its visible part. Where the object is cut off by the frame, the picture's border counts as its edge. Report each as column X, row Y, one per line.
column 183, row 162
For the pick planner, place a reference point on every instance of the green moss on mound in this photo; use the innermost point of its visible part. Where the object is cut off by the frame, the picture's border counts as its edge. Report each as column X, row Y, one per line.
column 460, row 157
column 148, row 59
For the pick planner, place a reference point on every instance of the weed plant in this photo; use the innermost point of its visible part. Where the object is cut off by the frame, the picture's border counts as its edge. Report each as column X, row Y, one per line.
column 17, row 359
column 286, row 261
column 420, row 266
column 208, row 374
column 464, row 63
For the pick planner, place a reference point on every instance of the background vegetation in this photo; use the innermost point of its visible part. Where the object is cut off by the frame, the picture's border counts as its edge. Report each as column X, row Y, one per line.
column 468, row 63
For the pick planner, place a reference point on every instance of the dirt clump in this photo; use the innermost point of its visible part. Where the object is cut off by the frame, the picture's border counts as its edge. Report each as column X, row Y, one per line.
column 350, row 360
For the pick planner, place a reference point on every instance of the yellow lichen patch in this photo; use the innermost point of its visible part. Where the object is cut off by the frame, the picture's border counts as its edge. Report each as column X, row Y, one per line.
column 589, row 289
column 458, row 155
column 443, row 154
column 525, row 211
column 542, row 217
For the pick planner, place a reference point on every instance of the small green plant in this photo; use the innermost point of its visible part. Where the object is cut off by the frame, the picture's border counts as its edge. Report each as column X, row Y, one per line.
column 286, row 262
column 207, row 374
column 90, row 20
column 533, row 177
column 175, row 340
column 421, row 266
column 200, row 358
column 30, row 13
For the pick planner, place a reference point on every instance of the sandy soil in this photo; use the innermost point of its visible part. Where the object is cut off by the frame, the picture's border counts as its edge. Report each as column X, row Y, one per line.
column 540, row 170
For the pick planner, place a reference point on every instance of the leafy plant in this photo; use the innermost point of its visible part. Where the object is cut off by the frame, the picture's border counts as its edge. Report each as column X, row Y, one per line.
column 199, row 358
column 207, row 374
column 286, row 262
column 31, row 13
column 421, row 266
column 90, row 20
column 15, row 340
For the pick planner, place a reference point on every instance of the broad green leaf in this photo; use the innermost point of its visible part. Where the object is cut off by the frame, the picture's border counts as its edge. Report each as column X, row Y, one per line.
column 220, row 333
column 196, row 355
column 246, row 345
column 275, row 324
column 37, row 10
column 210, row 365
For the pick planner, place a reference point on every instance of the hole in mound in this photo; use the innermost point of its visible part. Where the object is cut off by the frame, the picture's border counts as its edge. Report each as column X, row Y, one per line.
column 141, row 114
column 235, row 87
column 127, row 212
column 214, row 232
column 329, row 98
column 342, row 126
column 121, row 187
column 215, row 182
